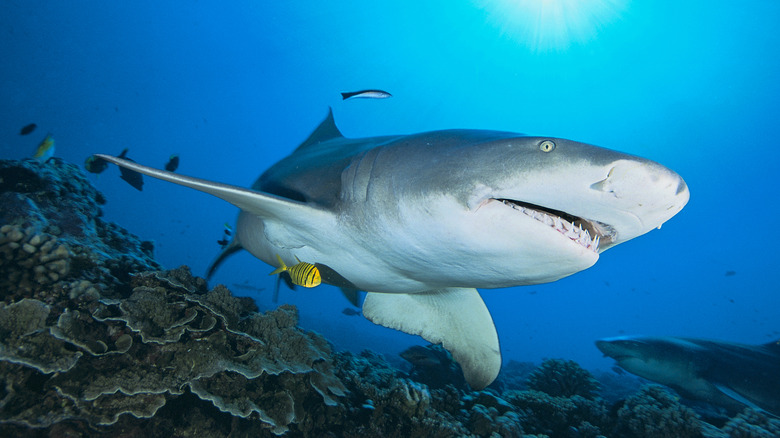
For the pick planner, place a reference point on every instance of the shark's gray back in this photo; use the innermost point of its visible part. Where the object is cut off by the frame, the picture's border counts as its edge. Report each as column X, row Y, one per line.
column 328, row 168
column 313, row 172
column 751, row 370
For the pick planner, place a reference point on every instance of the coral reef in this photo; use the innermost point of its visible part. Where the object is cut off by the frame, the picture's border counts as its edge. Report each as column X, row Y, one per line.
column 513, row 375
column 563, row 378
column 617, row 384
column 752, row 424
column 97, row 340
column 434, row 366
column 488, row 414
column 110, row 357
column 384, row 403
column 560, row 416
column 84, row 330
column 51, row 230
column 655, row 413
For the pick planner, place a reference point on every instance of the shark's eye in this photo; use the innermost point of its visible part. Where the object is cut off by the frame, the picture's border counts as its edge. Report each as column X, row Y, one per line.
column 547, row 146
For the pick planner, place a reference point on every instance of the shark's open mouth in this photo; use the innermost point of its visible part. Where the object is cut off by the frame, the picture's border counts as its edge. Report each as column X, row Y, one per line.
column 587, row 233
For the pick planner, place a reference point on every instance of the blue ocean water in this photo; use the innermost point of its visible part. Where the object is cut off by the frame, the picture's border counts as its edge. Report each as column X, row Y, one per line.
column 234, row 87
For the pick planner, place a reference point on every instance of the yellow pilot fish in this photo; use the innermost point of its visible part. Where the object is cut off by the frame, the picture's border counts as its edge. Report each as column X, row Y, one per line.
column 45, row 149
column 302, row 273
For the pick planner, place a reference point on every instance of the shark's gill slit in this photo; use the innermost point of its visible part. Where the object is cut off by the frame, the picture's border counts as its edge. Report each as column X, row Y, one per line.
column 582, row 231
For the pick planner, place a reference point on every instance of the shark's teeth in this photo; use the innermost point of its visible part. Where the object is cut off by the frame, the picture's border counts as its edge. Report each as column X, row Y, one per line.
column 568, row 229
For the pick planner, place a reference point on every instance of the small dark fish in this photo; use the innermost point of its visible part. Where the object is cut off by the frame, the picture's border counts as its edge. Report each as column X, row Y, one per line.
column 619, row 371
column 731, row 273
column 366, row 94
column 223, row 242
column 350, row 311
column 94, row 164
column 248, row 287
column 228, row 229
column 172, row 164
column 302, row 273
column 132, row 177
column 28, row 129
column 421, row 356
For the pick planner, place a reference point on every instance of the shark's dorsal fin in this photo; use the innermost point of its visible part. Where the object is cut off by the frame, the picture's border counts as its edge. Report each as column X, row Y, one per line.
column 326, row 131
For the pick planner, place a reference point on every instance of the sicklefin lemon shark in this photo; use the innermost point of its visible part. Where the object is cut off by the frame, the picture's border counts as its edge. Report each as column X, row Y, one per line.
column 421, row 221
column 727, row 374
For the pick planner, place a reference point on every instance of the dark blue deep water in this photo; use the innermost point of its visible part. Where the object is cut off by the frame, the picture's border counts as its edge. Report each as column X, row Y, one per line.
column 233, row 87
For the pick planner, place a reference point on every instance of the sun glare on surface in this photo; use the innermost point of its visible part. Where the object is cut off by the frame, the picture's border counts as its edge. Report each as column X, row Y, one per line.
column 551, row 25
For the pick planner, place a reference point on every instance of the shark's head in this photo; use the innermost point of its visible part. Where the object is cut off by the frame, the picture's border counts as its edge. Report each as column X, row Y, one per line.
column 663, row 360
column 536, row 208
column 613, row 196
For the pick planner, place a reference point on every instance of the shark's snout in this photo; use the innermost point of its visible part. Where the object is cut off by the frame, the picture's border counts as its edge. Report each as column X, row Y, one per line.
column 641, row 193
column 610, row 348
column 630, row 177
column 627, row 351
column 681, row 187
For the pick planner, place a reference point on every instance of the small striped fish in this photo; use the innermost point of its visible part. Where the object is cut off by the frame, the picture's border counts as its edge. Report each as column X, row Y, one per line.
column 302, row 273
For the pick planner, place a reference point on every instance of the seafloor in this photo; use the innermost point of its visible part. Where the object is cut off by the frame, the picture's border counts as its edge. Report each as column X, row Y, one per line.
column 97, row 340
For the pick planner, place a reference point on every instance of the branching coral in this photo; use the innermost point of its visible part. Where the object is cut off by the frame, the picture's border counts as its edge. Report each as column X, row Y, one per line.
column 655, row 413
column 557, row 416
column 489, row 414
column 563, row 378
column 390, row 405
column 752, row 424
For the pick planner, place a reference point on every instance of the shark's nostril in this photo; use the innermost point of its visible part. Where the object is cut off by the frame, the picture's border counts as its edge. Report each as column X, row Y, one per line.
column 604, row 184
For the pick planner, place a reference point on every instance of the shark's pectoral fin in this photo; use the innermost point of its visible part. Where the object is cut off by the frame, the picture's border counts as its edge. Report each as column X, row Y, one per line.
column 734, row 395
column 262, row 204
column 455, row 317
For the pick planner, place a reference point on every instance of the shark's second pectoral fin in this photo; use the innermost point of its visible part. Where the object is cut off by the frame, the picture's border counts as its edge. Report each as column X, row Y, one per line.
column 233, row 247
column 455, row 317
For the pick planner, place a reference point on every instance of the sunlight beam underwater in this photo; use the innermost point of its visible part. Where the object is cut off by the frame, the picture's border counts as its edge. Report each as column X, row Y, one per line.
column 551, row 25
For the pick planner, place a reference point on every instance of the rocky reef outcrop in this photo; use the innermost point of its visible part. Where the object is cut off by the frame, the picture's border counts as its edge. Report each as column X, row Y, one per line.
column 97, row 340
column 92, row 332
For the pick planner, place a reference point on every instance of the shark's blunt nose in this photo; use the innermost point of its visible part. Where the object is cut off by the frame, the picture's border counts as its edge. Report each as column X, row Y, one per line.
column 641, row 175
column 681, row 187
